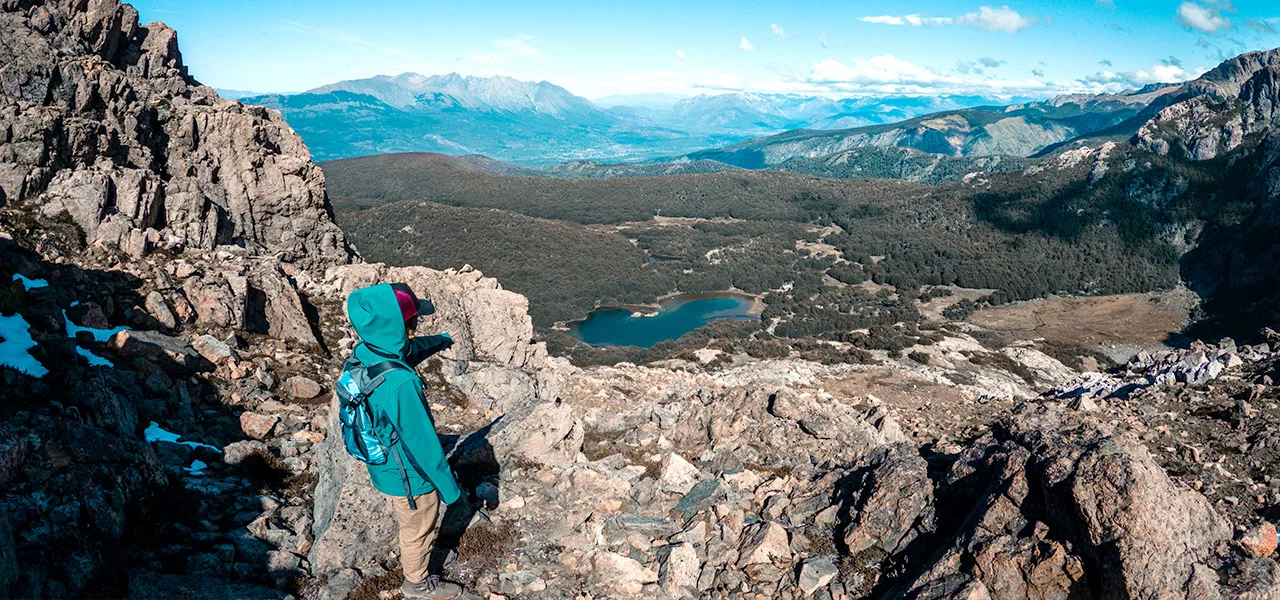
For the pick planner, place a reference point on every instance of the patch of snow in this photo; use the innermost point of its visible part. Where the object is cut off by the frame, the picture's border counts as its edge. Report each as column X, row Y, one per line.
column 155, row 433
column 94, row 359
column 30, row 284
column 100, row 335
column 15, row 346
column 197, row 467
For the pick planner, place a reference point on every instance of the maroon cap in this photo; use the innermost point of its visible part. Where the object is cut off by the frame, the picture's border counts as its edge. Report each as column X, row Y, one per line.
column 408, row 305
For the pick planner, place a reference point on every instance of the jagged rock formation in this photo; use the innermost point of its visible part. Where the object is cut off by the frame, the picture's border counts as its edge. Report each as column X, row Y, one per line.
column 99, row 120
column 1236, row 100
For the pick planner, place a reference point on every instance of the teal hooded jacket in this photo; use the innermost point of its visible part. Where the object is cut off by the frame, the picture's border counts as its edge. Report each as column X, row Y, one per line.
column 399, row 405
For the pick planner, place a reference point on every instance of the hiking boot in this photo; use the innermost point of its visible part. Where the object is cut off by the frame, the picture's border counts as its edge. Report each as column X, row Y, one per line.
column 431, row 588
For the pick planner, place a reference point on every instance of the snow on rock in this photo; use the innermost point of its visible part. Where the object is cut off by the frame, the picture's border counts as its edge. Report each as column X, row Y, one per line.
column 30, row 284
column 155, row 433
column 100, row 335
column 15, row 346
column 94, row 359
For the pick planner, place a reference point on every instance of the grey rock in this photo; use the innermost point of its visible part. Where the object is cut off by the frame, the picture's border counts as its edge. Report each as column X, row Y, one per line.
column 258, row 426
column 234, row 454
column 895, row 503
column 699, row 497
column 678, row 575
column 159, row 309
column 767, row 544
column 212, row 349
column 172, row 354
column 302, row 388
column 650, row 526
column 816, row 573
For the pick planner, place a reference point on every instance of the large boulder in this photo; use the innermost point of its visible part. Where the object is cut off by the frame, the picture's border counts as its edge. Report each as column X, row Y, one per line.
column 895, row 504
column 494, row 358
column 1148, row 536
column 1059, row 504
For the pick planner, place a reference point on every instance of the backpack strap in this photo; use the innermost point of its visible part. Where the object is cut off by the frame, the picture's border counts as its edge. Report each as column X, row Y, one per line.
column 377, row 375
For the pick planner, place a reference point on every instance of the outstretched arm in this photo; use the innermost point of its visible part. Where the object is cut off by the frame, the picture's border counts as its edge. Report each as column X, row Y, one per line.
column 421, row 348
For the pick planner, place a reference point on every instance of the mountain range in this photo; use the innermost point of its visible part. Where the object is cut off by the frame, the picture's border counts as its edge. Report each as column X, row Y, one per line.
column 539, row 123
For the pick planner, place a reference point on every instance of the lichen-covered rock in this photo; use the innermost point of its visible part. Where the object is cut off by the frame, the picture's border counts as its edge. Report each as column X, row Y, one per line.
column 895, row 505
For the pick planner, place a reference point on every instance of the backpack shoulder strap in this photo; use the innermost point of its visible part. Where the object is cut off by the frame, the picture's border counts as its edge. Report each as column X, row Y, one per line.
column 377, row 375
column 381, row 368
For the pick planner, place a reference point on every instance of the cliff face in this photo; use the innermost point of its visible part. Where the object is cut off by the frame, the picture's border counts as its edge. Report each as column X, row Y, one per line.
column 1219, row 111
column 99, row 120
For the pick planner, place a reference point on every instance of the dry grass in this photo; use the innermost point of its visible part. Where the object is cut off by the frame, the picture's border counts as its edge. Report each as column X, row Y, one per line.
column 273, row 477
column 437, row 383
column 485, row 546
column 371, row 589
column 526, row 464
column 778, row 471
column 600, row 444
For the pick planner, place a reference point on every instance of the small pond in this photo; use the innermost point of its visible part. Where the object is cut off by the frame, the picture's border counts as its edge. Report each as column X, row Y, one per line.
column 644, row 327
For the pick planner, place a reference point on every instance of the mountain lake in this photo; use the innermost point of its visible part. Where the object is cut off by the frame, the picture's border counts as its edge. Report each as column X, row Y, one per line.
column 677, row 315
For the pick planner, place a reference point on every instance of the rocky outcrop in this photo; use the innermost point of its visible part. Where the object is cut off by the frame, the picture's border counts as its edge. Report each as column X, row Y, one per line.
column 169, row 229
column 1221, row 109
column 1059, row 506
column 494, row 362
column 100, row 121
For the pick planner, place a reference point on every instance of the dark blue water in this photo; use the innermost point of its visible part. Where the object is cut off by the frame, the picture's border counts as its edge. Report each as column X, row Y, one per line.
column 678, row 316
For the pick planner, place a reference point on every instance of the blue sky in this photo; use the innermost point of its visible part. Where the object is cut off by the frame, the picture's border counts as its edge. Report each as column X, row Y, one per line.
column 837, row 48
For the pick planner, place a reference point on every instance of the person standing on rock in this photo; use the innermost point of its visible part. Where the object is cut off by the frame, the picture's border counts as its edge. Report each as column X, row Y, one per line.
column 414, row 471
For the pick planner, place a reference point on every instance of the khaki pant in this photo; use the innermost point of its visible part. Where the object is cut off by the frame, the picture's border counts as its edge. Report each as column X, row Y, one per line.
column 418, row 531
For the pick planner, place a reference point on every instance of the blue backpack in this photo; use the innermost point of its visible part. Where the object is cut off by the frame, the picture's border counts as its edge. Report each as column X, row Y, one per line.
column 354, row 387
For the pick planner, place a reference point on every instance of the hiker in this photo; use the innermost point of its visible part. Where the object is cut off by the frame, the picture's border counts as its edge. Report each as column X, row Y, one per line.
column 388, row 425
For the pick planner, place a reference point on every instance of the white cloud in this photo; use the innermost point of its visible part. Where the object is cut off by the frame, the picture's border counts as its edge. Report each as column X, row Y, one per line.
column 777, row 30
column 822, row 39
column 886, row 69
column 1164, row 72
column 679, row 54
column 1208, row 19
column 520, row 46
column 998, row 20
column 745, row 44
column 889, row 75
column 991, row 20
column 912, row 20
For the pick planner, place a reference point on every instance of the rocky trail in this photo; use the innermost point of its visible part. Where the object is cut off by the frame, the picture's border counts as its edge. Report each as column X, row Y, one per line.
column 171, row 288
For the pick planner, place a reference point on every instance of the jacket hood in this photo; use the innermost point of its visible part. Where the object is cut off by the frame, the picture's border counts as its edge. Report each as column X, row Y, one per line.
column 375, row 315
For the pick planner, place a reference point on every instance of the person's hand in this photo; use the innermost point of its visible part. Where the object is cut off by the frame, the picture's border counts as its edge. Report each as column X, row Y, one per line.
column 448, row 337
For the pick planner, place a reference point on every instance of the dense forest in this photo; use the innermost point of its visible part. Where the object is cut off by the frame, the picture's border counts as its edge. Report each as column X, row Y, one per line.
column 1064, row 227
